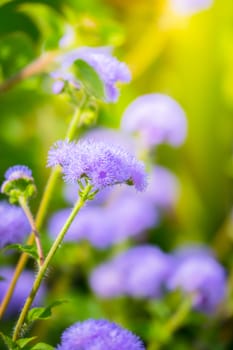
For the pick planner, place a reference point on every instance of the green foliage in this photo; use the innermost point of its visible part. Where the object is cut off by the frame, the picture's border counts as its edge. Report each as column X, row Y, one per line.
column 90, row 79
column 25, row 248
column 19, row 188
column 42, row 313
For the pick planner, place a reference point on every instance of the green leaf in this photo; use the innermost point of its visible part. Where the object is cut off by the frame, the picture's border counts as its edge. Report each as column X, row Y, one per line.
column 42, row 346
column 90, row 79
column 24, row 341
column 11, row 345
column 39, row 313
column 19, row 22
column 25, row 248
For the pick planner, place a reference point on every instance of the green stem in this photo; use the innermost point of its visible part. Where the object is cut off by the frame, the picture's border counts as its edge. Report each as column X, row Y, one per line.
column 81, row 201
column 172, row 324
column 47, row 195
column 24, row 205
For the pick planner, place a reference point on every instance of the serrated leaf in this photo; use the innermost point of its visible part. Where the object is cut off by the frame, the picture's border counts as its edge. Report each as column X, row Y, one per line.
column 25, row 248
column 42, row 346
column 90, row 79
column 24, row 341
column 11, row 345
column 38, row 313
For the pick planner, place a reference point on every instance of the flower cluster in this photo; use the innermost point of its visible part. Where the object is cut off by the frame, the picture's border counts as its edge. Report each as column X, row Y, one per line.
column 139, row 272
column 21, row 291
column 102, row 164
column 157, row 119
column 99, row 334
column 109, row 69
column 18, row 183
column 146, row 272
column 199, row 274
column 14, row 226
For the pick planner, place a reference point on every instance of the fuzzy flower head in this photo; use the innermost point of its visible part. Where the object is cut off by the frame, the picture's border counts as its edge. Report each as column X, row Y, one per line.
column 140, row 272
column 98, row 335
column 108, row 68
column 102, row 164
column 201, row 276
column 156, row 119
column 14, row 226
column 21, row 291
column 18, row 182
column 189, row 7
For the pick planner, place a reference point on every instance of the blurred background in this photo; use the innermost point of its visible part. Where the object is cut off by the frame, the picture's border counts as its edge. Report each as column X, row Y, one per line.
column 186, row 55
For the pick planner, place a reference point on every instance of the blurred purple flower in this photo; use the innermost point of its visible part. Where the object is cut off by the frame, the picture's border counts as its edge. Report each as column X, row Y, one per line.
column 104, row 165
column 163, row 188
column 201, row 276
column 189, row 7
column 22, row 289
column 17, row 172
column 107, row 225
column 112, row 137
column 140, row 272
column 14, row 226
column 99, row 335
column 109, row 69
column 157, row 119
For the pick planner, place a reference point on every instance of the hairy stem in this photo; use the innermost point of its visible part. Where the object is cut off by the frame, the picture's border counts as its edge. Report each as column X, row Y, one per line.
column 24, row 205
column 42, row 270
column 40, row 216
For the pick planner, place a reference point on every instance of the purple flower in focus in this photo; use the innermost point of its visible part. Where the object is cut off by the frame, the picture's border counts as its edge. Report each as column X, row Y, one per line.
column 104, row 165
column 201, row 276
column 99, row 335
column 22, row 289
column 189, row 7
column 140, row 272
column 157, row 119
column 109, row 69
column 14, row 226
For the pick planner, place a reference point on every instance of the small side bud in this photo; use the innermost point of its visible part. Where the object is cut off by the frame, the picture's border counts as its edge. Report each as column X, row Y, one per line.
column 19, row 183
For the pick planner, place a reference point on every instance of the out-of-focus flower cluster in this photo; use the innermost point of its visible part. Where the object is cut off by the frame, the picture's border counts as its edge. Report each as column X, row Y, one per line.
column 147, row 272
column 22, row 290
column 108, row 68
column 189, row 7
column 14, row 226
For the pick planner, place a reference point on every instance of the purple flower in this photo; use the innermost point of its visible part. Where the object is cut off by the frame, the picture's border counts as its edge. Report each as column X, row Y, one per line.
column 21, row 291
column 201, row 276
column 189, row 7
column 18, row 172
column 91, row 224
column 104, row 165
column 107, row 225
column 99, row 335
column 112, row 137
column 163, row 188
column 140, row 272
column 109, row 69
column 14, row 226
column 157, row 119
